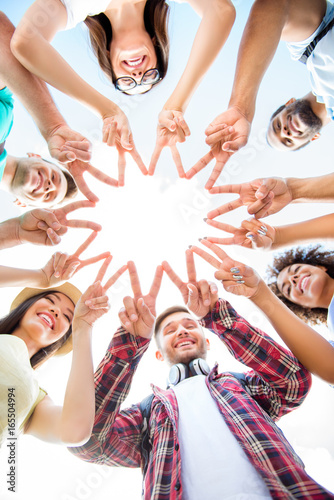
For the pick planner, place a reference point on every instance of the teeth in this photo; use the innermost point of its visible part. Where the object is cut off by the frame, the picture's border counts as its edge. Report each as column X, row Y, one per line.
column 135, row 62
column 47, row 319
column 184, row 343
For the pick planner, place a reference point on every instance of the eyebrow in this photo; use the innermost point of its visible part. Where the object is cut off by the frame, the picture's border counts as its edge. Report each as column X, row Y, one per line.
column 174, row 321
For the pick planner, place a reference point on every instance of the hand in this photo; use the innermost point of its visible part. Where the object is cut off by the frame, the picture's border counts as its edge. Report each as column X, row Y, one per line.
column 45, row 226
column 263, row 197
column 230, row 130
column 172, row 128
column 237, row 278
column 253, row 233
column 117, row 132
column 61, row 267
column 94, row 302
column 199, row 296
column 138, row 314
column 66, row 145
column 221, row 157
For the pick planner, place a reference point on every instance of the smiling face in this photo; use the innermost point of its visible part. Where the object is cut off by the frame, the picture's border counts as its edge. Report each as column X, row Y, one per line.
column 38, row 183
column 294, row 126
column 305, row 285
column 47, row 320
column 181, row 339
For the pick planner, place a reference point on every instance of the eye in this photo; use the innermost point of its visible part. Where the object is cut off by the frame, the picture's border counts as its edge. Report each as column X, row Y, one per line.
column 278, row 125
column 288, row 142
column 47, row 197
column 68, row 318
column 53, row 177
column 296, row 269
column 288, row 290
column 50, row 299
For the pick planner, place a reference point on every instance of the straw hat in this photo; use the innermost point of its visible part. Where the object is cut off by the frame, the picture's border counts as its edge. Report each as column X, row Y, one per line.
column 72, row 292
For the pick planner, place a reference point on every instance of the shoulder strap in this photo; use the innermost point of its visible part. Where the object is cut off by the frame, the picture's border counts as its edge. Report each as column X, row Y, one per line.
column 240, row 377
column 310, row 48
column 145, row 408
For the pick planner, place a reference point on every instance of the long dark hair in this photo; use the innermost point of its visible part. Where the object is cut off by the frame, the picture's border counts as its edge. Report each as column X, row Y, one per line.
column 156, row 24
column 313, row 255
column 11, row 322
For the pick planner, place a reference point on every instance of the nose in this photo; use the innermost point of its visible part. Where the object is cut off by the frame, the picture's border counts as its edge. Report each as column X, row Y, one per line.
column 55, row 311
column 293, row 279
column 137, row 74
column 181, row 331
column 286, row 132
column 49, row 185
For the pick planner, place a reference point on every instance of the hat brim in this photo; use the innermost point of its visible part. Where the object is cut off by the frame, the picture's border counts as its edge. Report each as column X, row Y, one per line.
column 71, row 291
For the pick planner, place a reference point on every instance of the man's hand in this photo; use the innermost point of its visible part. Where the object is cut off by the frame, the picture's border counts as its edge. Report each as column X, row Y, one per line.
column 199, row 296
column 262, row 197
column 253, row 233
column 237, row 278
column 230, row 130
column 221, row 158
column 45, row 226
column 66, row 145
column 138, row 314
column 172, row 128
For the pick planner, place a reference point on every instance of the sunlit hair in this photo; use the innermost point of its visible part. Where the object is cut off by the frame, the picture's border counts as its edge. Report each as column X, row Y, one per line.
column 9, row 323
column 165, row 314
column 156, row 24
column 313, row 255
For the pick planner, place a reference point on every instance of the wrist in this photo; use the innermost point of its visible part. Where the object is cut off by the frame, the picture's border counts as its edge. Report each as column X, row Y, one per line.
column 10, row 233
column 81, row 327
column 295, row 186
column 49, row 132
column 243, row 106
column 260, row 297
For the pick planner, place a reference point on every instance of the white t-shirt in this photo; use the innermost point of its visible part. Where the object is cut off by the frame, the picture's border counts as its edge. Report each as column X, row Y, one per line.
column 78, row 10
column 213, row 464
column 330, row 316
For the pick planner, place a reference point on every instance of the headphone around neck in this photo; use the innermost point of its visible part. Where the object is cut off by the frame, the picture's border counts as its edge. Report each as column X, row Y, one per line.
column 181, row 371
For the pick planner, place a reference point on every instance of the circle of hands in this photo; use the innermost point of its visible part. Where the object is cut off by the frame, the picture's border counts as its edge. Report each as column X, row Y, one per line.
column 225, row 135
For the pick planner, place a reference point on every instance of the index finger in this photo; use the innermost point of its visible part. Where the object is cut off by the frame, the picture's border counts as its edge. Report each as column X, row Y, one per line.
column 75, row 206
column 137, row 158
column 202, row 163
column 103, row 269
column 217, row 170
column 115, row 277
column 191, row 269
column 101, row 176
column 84, row 224
column 227, row 207
column 156, row 284
column 85, row 244
column 134, row 279
column 121, row 167
column 178, row 162
column 226, row 188
column 82, row 185
column 173, row 276
column 206, row 256
column 154, row 160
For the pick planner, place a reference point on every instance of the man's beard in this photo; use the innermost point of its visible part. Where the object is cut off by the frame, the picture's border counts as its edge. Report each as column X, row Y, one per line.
column 305, row 113
column 185, row 357
column 20, row 178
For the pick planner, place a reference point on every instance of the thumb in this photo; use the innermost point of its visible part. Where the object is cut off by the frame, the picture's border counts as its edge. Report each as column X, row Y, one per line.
column 126, row 139
column 265, row 188
column 256, row 239
column 193, row 295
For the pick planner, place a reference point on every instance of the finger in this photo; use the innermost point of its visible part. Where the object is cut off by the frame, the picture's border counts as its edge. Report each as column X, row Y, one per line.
column 167, row 123
column 85, row 244
column 126, row 141
column 178, row 162
column 226, row 188
column 137, row 158
column 221, row 225
column 218, row 135
column 65, row 156
column 124, row 318
column 156, row 284
column 224, row 209
column 154, row 160
column 253, row 225
column 176, row 280
column 53, row 237
column 103, row 269
column 191, row 269
column 213, row 128
column 202, row 163
column 98, row 302
column 130, row 307
column 204, row 289
column 180, row 134
column 95, row 172
column 266, row 186
column 84, row 224
column 59, row 263
column 206, row 256
column 92, row 260
column 83, row 187
column 262, row 208
column 134, row 279
column 216, row 173
column 183, row 124
column 109, row 134
column 192, row 296
column 145, row 313
column 121, row 167
column 46, row 218
column 79, row 154
column 73, row 267
column 234, row 146
column 220, row 241
column 75, row 205
column 115, row 277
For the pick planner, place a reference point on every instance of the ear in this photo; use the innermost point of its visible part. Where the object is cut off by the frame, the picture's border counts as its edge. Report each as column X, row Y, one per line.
column 323, row 268
column 207, row 344
column 159, row 356
column 33, row 155
column 290, row 101
column 19, row 203
column 316, row 136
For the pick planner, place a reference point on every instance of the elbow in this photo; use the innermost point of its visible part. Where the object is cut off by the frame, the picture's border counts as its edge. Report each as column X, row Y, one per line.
column 224, row 10
column 19, row 46
column 76, row 435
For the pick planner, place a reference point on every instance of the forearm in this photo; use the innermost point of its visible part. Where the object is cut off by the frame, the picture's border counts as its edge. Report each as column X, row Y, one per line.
column 312, row 350
column 9, row 233
column 32, row 92
column 314, row 229
column 216, row 24
column 78, row 411
column 12, row 276
column 313, row 189
column 257, row 48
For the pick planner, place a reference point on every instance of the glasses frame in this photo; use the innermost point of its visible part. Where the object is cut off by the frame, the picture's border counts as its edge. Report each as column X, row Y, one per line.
column 141, row 81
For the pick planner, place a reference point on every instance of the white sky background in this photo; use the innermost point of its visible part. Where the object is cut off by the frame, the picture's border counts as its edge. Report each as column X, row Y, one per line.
column 153, row 219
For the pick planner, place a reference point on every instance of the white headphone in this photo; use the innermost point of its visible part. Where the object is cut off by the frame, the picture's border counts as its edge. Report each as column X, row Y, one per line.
column 181, row 371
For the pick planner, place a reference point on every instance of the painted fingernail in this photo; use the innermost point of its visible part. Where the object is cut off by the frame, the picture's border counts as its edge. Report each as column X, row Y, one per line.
column 250, row 236
column 237, row 276
column 190, row 246
column 57, row 274
column 235, row 270
column 264, row 228
column 262, row 233
column 240, row 282
column 205, row 219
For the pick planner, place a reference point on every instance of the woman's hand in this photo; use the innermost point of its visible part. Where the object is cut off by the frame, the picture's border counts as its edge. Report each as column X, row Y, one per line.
column 236, row 277
column 253, row 233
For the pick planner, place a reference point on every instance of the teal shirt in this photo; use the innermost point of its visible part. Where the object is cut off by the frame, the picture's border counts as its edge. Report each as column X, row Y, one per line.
column 6, row 122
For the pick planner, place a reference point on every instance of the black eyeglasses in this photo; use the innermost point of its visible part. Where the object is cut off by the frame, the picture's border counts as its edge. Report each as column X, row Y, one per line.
column 126, row 83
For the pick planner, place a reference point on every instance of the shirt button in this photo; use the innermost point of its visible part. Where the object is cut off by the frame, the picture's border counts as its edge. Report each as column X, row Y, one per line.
column 129, row 352
column 177, row 486
column 177, row 446
column 249, row 335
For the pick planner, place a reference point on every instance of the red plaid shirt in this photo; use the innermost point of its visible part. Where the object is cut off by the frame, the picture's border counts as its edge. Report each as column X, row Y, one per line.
column 277, row 384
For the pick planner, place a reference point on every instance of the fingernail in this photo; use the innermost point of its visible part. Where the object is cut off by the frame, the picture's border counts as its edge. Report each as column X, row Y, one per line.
column 237, row 276
column 133, row 317
column 261, row 233
column 207, row 302
column 240, row 282
column 88, row 302
column 250, row 236
column 235, row 270
column 57, row 274
column 190, row 246
column 127, row 323
column 264, row 228
column 205, row 219
column 56, row 225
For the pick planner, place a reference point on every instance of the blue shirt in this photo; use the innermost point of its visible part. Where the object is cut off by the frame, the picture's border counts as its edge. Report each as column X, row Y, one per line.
column 6, row 122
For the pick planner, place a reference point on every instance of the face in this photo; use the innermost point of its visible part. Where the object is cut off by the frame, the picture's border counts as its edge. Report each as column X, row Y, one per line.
column 294, row 126
column 181, row 339
column 132, row 54
column 304, row 284
column 48, row 319
column 39, row 183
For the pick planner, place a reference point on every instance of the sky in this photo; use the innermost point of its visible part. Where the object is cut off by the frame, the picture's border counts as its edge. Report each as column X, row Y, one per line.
column 154, row 219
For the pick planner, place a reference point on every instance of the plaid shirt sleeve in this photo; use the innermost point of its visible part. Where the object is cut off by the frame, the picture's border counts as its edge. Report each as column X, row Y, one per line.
column 278, row 382
column 116, row 436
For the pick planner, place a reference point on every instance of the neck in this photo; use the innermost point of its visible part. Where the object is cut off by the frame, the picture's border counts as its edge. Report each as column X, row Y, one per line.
column 30, row 343
column 127, row 17
column 318, row 108
column 327, row 294
column 9, row 172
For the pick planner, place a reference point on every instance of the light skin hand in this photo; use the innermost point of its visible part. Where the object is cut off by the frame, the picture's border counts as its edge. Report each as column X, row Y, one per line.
column 67, row 145
column 139, row 313
column 253, row 233
column 221, row 158
column 172, row 128
column 199, row 296
column 262, row 197
column 230, row 130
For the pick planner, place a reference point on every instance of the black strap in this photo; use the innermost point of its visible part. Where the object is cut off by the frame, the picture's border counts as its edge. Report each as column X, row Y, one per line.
column 2, row 148
column 145, row 408
column 310, row 48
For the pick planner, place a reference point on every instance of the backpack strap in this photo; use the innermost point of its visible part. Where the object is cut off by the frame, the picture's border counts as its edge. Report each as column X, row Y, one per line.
column 310, row 48
column 145, row 408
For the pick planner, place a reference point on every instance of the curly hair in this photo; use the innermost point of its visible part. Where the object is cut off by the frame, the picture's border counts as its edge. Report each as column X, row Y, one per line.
column 313, row 255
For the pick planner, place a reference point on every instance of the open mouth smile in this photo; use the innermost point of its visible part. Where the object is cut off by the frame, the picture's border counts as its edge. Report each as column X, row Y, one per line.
column 48, row 319
column 135, row 62
column 184, row 343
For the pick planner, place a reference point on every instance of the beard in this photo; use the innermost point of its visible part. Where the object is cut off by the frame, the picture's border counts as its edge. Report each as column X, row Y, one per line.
column 173, row 357
column 20, row 178
column 305, row 113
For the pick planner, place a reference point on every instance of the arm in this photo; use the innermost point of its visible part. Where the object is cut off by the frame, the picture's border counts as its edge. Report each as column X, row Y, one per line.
column 283, row 380
column 312, row 189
